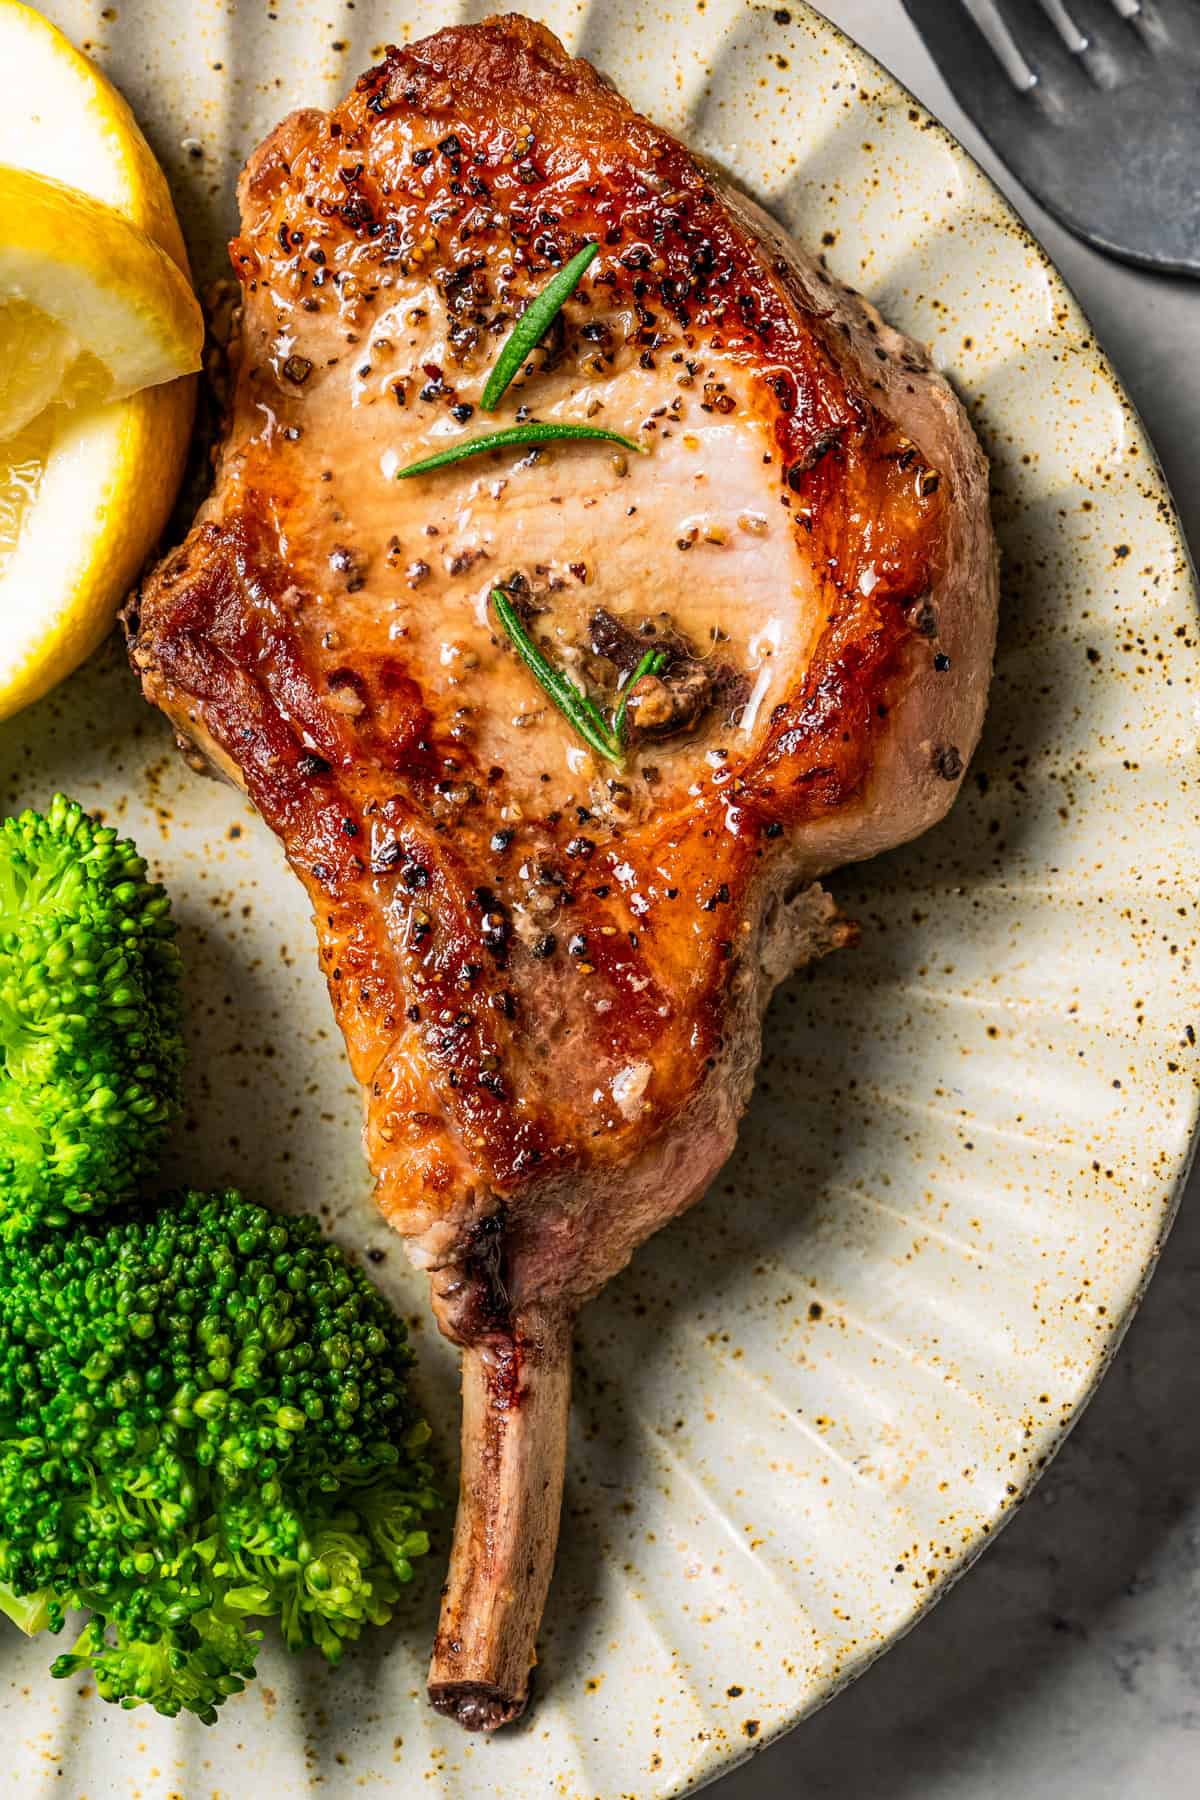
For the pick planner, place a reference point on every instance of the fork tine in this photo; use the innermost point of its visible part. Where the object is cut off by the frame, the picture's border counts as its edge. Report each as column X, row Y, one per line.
column 1042, row 44
column 1126, row 26
column 1075, row 40
column 970, row 39
column 1049, row 37
column 1122, row 33
column 1063, row 39
column 999, row 38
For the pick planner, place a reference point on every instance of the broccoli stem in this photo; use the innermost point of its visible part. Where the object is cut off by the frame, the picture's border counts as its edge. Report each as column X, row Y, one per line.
column 30, row 1611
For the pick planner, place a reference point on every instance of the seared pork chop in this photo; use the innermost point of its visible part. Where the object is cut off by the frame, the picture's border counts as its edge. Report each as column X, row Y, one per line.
column 551, row 968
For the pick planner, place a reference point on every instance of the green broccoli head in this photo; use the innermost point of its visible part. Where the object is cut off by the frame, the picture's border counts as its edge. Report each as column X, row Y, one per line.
column 90, row 1043
column 204, row 1423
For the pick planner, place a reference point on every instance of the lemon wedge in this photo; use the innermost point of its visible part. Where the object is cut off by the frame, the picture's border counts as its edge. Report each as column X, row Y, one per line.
column 90, row 308
column 99, row 333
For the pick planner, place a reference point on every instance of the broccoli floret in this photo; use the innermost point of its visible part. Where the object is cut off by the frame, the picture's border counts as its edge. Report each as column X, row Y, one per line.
column 204, row 1423
column 90, row 1043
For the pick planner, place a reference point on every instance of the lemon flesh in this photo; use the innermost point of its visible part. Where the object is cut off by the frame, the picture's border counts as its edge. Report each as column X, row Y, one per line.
column 86, row 481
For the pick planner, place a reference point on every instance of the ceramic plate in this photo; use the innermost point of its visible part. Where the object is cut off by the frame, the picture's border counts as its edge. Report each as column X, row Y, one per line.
column 805, row 1408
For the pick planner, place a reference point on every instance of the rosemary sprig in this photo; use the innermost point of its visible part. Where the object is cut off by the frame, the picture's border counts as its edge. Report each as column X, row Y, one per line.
column 575, row 707
column 535, row 322
column 537, row 431
column 605, row 739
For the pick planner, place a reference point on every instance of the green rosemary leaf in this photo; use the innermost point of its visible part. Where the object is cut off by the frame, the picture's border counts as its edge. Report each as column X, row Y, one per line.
column 575, row 707
column 650, row 664
column 536, row 431
column 534, row 323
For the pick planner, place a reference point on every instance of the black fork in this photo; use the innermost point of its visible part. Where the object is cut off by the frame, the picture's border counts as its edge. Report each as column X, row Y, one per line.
column 1093, row 104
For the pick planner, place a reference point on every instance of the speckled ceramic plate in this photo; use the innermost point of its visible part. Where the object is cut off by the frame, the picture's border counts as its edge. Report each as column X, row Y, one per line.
column 805, row 1408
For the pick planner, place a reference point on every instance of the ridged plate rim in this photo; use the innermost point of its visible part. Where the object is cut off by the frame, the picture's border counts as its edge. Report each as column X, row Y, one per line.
column 684, row 1768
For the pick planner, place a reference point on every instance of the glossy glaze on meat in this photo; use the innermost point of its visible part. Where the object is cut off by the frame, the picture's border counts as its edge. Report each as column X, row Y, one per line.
column 550, row 970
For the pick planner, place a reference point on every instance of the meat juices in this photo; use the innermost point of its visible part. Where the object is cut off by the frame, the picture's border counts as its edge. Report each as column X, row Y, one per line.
column 550, row 970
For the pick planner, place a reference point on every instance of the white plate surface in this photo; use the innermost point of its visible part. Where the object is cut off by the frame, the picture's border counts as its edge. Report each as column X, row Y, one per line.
column 806, row 1407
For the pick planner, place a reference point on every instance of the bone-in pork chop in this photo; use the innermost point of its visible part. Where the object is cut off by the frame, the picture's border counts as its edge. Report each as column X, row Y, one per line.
column 551, row 965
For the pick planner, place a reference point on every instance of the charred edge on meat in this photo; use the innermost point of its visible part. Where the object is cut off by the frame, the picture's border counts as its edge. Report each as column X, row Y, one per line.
column 473, row 1294
column 475, row 1705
